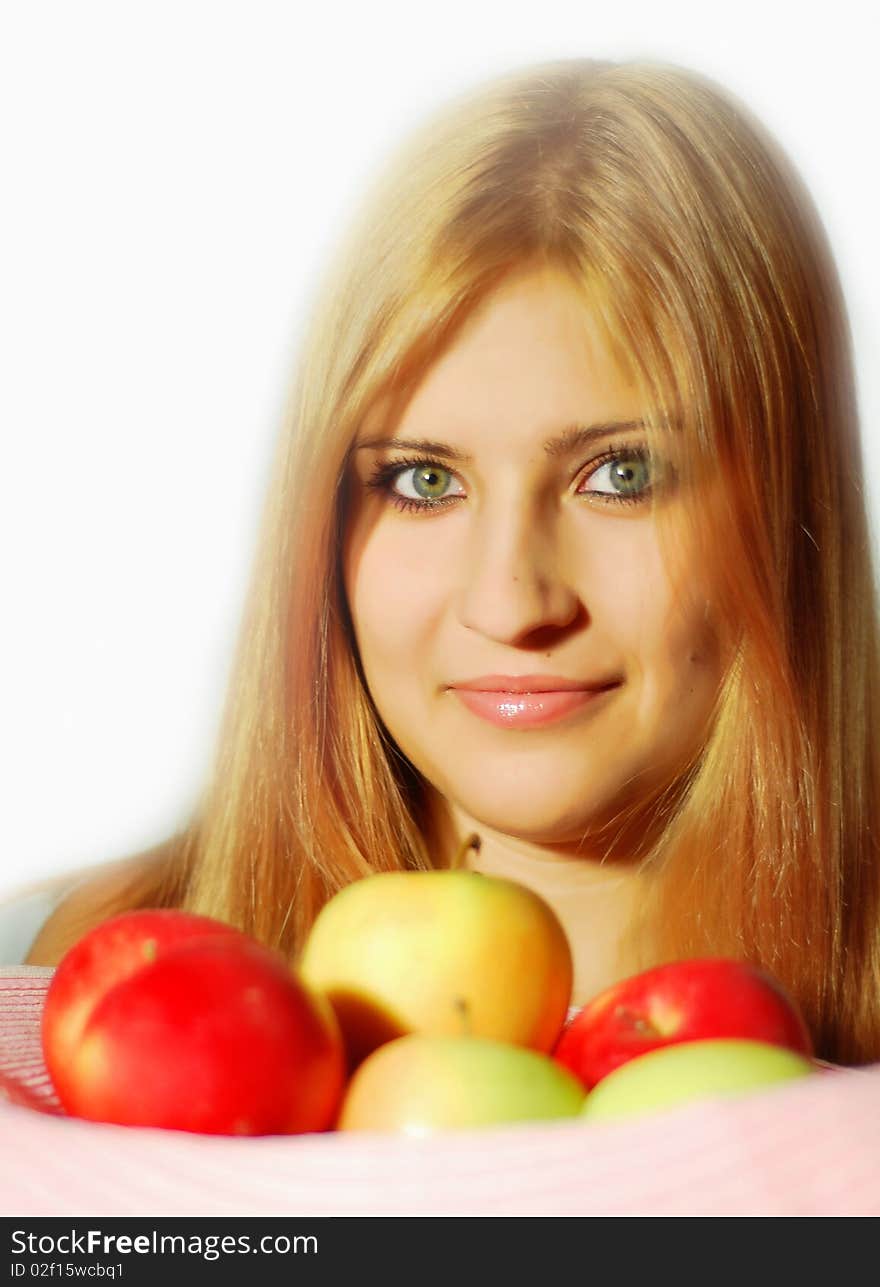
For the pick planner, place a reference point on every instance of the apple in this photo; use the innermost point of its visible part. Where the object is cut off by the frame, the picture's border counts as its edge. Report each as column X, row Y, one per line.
column 210, row 1032
column 102, row 958
column 688, row 1070
column 445, row 953
column 681, row 1001
column 419, row 1084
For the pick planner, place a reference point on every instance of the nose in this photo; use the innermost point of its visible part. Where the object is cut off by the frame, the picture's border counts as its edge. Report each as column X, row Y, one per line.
column 514, row 581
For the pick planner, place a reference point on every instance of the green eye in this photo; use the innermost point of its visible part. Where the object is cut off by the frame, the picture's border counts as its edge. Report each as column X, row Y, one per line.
column 430, row 481
column 623, row 476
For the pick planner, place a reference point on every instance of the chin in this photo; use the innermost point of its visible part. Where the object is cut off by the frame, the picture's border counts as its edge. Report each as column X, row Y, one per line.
column 537, row 818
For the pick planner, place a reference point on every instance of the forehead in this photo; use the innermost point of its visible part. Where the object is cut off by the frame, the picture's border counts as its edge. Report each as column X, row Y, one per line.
column 532, row 359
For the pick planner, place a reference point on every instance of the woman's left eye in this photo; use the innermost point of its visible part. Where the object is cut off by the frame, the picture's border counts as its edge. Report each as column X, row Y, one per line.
column 624, row 475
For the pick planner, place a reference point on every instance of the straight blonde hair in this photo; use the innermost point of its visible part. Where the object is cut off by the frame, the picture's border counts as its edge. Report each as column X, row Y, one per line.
column 698, row 248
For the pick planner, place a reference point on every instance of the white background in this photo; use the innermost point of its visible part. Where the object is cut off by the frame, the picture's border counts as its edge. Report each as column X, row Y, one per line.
column 174, row 175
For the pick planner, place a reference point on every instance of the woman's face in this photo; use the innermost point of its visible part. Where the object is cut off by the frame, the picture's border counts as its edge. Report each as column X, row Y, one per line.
column 514, row 548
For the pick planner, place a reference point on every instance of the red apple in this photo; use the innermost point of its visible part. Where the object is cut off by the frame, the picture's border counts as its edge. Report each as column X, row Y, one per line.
column 107, row 954
column 690, row 1000
column 211, row 1032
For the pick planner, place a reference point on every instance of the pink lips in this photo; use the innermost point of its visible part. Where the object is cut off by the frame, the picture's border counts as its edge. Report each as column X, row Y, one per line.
column 528, row 701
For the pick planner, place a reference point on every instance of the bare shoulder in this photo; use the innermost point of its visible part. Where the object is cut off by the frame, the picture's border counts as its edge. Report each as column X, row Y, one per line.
column 94, row 896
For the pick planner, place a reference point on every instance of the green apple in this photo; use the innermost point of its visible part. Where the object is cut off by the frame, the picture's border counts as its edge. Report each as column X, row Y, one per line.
column 420, row 1084
column 446, row 953
column 690, row 1070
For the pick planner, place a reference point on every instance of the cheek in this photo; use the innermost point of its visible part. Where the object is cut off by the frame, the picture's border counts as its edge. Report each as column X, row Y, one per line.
column 393, row 595
column 633, row 597
column 688, row 665
column 668, row 628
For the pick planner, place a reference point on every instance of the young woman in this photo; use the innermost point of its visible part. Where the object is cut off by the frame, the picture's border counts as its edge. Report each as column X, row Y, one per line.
column 575, row 416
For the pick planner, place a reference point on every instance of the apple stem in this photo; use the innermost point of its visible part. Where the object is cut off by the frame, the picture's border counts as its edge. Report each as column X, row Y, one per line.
column 464, row 1014
column 473, row 842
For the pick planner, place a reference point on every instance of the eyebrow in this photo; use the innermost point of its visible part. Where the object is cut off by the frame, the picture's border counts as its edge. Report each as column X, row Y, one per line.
column 572, row 438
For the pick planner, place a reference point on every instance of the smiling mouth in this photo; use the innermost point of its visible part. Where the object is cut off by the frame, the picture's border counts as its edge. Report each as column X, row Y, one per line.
column 519, row 710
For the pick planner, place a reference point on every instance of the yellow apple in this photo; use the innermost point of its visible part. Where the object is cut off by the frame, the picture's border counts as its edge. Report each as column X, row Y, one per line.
column 671, row 1075
column 447, row 953
column 420, row 1084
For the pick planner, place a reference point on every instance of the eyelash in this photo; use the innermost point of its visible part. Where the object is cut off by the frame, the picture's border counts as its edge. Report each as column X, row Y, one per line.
column 384, row 475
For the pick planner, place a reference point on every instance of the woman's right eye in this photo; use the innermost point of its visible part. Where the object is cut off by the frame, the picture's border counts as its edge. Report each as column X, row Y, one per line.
column 426, row 481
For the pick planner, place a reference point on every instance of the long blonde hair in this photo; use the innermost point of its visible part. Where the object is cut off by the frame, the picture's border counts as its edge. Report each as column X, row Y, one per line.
column 695, row 241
